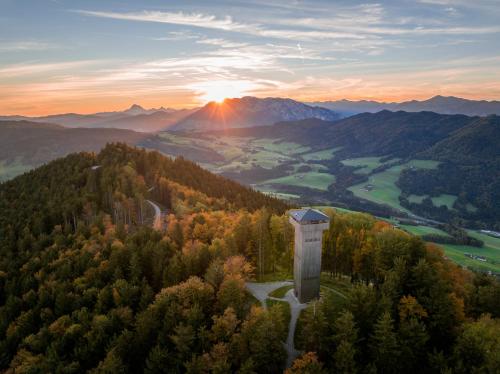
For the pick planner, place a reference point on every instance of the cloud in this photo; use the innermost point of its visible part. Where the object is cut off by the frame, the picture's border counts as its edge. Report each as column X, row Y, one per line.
column 179, row 18
column 223, row 43
column 224, row 24
column 26, row 46
column 23, row 69
column 177, row 35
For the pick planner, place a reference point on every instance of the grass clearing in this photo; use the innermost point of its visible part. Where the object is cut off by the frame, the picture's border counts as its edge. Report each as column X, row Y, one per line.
column 313, row 167
column 278, row 146
column 367, row 164
column 423, row 164
column 315, row 180
column 423, row 230
column 416, row 199
column 456, row 253
column 381, row 187
column 280, row 292
column 437, row 201
column 325, row 154
column 488, row 240
column 444, row 199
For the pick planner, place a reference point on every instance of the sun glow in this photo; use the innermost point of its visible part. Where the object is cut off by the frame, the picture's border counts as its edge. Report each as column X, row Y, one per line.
column 220, row 90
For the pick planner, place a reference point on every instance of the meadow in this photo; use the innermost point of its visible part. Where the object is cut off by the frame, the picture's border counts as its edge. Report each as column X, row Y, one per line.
column 490, row 250
column 381, row 187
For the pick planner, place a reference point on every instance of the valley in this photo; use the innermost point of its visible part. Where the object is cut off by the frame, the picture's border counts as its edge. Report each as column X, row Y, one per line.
column 420, row 166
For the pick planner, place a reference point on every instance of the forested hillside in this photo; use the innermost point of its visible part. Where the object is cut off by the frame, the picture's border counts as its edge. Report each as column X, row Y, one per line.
column 86, row 285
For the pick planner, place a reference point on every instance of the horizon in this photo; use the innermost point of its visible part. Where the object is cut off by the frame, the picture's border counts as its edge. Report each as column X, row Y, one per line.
column 62, row 56
column 169, row 107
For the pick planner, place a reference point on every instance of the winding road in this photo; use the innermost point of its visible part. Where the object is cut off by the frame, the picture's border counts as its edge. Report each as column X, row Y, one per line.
column 157, row 224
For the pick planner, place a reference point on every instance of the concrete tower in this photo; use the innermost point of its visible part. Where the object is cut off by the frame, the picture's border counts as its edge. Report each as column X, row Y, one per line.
column 309, row 225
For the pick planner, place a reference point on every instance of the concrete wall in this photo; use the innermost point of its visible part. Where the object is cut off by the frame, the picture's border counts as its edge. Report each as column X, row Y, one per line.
column 307, row 259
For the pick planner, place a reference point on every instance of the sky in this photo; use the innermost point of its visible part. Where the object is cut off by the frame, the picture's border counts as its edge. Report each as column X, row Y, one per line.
column 81, row 56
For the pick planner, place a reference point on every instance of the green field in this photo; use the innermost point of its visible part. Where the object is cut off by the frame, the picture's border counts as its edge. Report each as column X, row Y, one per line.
column 456, row 253
column 281, row 292
column 367, row 164
column 384, row 189
column 325, row 154
column 444, row 199
column 423, row 230
column 416, row 199
column 314, row 167
column 279, row 146
column 315, row 180
column 490, row 250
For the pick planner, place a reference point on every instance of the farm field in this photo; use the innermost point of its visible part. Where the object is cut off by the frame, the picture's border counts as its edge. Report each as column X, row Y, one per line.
column 383, row 189
column 490, row 250
column 325, row 154
column 444, row 199
column 457, row 254
column 313, row 179
column 422, row 230
column 367, row 164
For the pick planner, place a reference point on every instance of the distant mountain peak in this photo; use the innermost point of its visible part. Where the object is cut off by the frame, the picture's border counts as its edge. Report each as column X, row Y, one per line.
column 136, row 106
column 438, row 104
column 249, row 111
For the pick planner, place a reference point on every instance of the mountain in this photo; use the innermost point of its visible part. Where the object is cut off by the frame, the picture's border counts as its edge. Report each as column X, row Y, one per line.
column 134, row 118
column 148, row 121
column 438, row 104
column 385, row 133
column 478, row 141
column 249, row 112
column 24, row 145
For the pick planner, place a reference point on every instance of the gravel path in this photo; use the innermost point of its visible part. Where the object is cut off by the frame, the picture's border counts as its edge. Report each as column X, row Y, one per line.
column 261, row 292
column 157, row 221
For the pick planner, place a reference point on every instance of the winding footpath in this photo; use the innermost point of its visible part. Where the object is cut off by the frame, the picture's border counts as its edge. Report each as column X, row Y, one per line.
column 157, row 225
column 261, row 292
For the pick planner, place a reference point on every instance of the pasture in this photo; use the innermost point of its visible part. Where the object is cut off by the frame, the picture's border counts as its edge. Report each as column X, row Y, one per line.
column 381, row 187
column 456, row 253
column 325, row 154
column 367, row 164
column 312, row 179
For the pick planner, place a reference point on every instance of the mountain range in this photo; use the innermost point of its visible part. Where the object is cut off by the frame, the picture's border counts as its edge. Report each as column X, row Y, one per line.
column 437, row 104
column 250, row 112
column 134, row 118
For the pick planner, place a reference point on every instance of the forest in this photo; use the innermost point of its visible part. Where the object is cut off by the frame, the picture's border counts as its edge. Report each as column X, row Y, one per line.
column 86, row 285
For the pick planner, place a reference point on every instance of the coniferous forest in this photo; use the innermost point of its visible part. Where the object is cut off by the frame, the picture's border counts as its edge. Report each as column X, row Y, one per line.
column 86, row 285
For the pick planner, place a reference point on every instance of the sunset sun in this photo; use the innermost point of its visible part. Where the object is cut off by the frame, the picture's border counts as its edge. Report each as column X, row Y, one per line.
column 220, row 90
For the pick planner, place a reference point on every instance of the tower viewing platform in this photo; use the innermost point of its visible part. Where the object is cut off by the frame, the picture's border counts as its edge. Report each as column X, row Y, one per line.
column 309, row 225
